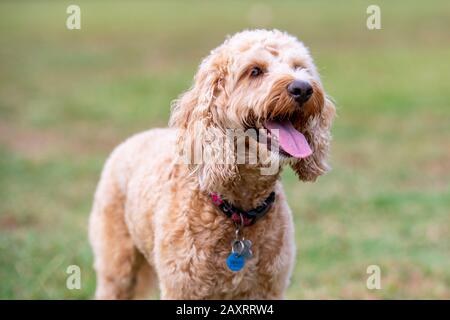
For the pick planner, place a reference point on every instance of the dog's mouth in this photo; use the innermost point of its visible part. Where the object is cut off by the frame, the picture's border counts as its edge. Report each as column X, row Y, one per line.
column 290, row 141
column 281, row 137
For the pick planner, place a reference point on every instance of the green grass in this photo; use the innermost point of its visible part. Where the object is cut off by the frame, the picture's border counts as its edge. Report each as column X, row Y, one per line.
column 68, row 97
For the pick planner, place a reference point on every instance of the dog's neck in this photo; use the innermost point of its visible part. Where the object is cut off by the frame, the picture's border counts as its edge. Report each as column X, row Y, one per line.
column 250, row 189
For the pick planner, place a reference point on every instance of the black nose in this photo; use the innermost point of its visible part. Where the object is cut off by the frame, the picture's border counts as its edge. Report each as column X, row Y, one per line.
column 300, row 90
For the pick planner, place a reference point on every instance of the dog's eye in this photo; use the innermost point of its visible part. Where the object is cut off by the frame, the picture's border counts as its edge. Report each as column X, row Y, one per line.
column 298, row 67
column 256, row 71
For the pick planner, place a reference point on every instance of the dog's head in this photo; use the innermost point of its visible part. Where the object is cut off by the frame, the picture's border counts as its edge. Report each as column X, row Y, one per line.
column 256, row 80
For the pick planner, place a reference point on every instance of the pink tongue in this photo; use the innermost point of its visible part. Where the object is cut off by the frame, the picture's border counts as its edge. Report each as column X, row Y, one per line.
column 291, row 140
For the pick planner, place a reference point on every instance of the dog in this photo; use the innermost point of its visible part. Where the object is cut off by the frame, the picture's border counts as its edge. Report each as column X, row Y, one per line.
column 214, row 229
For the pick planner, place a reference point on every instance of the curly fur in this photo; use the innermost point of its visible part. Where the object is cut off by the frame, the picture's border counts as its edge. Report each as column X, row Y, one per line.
column 152, row 221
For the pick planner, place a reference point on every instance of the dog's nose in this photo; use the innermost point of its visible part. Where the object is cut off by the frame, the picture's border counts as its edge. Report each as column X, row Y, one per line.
column 300, row 90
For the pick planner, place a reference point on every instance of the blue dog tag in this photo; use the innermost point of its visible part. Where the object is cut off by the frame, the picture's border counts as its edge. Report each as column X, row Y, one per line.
column 235, row 262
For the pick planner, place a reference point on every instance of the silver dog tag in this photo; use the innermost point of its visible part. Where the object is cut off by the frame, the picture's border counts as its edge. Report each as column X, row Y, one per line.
column 247, row 251
column 237, row 247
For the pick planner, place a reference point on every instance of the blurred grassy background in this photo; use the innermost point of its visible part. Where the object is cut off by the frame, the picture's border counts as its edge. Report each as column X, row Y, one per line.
column 68, row 97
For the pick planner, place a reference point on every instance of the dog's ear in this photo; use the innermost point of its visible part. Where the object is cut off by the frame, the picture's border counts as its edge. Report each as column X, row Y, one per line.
column 202, row 142
column 317, row 132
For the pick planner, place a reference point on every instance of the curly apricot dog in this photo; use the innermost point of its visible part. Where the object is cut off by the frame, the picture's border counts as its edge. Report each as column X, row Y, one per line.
column 214, row 229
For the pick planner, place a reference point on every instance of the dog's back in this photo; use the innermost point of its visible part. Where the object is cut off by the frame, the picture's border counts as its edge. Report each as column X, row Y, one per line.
column 142, row 163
